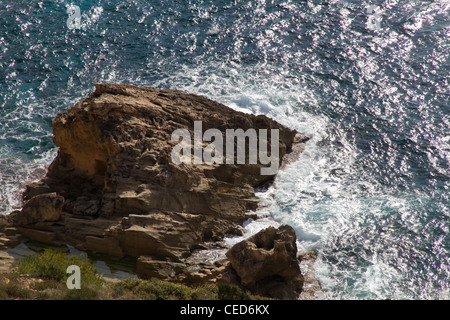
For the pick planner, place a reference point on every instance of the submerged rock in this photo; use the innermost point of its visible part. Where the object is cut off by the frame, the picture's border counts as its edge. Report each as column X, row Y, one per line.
column 123, row 194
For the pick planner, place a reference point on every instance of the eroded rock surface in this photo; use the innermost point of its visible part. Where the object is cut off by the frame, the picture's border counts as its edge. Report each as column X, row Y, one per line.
column 121, row 192
column 266, row 263
column 43, row 207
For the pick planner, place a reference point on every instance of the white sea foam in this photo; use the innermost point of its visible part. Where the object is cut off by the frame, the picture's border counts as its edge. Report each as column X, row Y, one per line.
column 214, row 29
column 336, row 208
column 16, row 173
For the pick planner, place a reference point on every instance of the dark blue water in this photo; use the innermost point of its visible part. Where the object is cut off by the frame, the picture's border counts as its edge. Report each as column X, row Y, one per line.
column 369, row 85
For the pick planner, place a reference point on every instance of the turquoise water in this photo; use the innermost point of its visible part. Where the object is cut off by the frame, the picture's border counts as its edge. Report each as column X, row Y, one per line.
column 370, row 87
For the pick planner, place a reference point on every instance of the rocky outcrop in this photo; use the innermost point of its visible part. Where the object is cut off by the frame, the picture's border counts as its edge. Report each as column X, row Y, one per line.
column 114, row 187
column 311, row 289
column 3, row 226
column 9, row 235
column 267, row 264
column 44, row 207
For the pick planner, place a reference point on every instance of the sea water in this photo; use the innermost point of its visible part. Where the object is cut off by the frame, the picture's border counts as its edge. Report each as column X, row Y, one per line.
column 367, row 81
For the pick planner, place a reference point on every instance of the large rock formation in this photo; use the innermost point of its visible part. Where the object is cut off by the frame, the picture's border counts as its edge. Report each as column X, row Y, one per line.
column 123, row 195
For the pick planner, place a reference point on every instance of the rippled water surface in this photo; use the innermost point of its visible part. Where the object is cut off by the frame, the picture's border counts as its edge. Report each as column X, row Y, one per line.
column 367, row 81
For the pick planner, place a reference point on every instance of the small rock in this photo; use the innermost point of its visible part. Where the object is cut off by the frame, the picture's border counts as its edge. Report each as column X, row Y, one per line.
column 41, row 208
column 266, row 263
column 165, row 270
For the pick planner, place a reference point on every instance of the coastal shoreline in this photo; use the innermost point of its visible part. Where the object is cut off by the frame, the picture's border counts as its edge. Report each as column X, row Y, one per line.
column 94, row 196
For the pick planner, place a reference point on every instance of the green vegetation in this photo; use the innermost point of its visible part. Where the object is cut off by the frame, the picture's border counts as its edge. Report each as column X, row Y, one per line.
column 153, row 289
column 229, row 292
column 43, row 277
column 52, row 265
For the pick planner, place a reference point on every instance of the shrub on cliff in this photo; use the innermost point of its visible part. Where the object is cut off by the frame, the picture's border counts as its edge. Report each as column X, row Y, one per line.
column 52, row 265
column 43, row 277
column 154, row 289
